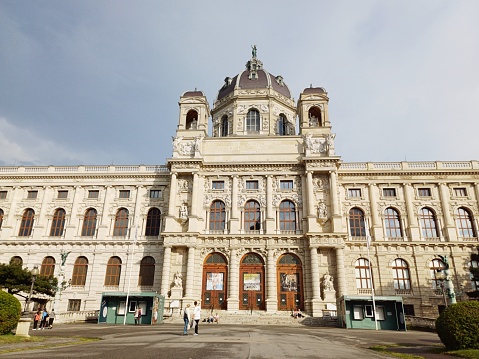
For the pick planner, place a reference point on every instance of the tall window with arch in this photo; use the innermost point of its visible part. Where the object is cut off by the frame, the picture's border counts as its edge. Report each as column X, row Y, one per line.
column 287, row 216
column 283, row 126
column 252, row 121
column 401, row 274
column 473, row 270
column 465, row 223
column 357, row 226
column 217, row 216
column 16, row 260
column 363, row 278
column 436, row 266
column 252, row 216
column 153, row 223
column 392, row 223
column 428, row 223
column 113, row 271
column 147, row 272
column 26, row 226
column 47, row 268
column 121, row 223
column 89, row 223
column 224, row 126
column 58, row 223
column 80, row 270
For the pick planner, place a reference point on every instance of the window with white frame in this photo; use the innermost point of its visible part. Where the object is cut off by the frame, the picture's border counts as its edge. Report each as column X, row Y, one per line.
column 354, row 192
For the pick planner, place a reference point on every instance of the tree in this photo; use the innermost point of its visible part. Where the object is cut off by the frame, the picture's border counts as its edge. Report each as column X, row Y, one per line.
column 18, row 280
column 474, row 269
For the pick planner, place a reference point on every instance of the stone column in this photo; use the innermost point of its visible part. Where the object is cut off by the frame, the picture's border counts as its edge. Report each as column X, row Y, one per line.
column 190, row 273
column 195, row 195
column 10, row 224
column 411, row 213
column 376, row 226
column 341, row 275
column 136, row 222
column 334, row 194
column 271, row 284
column 165, row 275
column 310, row 192
column 270, row 221
column 449, row 228
column 233, row 283
column 172, row 202
column 73, row 223
column 315, row 278
column 104, row 226
column 40, row 222
column 234, row 220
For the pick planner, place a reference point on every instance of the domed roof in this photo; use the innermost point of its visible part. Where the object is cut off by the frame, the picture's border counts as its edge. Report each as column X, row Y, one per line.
column 254, row 77
column 312, row 89
column 193, row 94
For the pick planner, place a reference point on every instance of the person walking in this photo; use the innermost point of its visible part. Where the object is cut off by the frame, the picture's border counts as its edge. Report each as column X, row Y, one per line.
column 137, row 316
column 36, row 319
column 43, row 323
column 186, row 319
column 197, row 316
column 51, row 318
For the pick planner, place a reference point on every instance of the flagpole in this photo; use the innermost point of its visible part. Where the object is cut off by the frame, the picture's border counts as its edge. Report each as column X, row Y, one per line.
column 368, row 243
column 129, row 275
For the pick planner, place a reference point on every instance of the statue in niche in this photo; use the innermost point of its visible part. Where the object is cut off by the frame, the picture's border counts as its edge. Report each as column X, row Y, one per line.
column 183, row 211
column 328, row 282
column 313, row 121
column 194, row 124
column 178, row 280
column 322, row 210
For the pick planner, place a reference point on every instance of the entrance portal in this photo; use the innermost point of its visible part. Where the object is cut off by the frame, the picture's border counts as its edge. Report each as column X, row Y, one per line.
column 215, row 275
column 252, row 282
column 290, row 283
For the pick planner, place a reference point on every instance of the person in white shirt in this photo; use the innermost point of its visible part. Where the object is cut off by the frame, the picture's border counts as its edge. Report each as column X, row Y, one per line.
column 197, row 316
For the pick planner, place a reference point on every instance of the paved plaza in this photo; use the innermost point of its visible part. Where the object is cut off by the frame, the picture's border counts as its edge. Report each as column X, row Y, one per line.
column 217, row 341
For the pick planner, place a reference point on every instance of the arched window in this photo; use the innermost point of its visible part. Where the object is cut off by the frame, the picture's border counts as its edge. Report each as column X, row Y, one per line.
column 356, row 223
column 428, row 223
column 80, row 270
column 401, row 276
column 121, row 223
column 58, row 223
column 113, row 271
column 392, row 223
column 314, row 115
column 26, row 226
column 153, row 222
column 16, row 260
column 287, row 216
column 363, row 279
column 1, row 218
column 89, row 223
column 252, row 121
column 217, row 216
column 147, row 271
column 224, row 126
column 252, row 216
column 48, row 267
column 436, row 266
column 474, row 265
column 464, row 223
column 283, row 126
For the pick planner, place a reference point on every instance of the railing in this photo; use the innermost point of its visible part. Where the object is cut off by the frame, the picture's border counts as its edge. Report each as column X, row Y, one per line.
column 404, row 292
column 365, row 291
column 71, row 169
column 417, row 166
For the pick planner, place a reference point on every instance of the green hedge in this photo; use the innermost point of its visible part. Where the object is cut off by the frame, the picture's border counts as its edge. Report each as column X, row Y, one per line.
column 10, row 310
column 458, row 326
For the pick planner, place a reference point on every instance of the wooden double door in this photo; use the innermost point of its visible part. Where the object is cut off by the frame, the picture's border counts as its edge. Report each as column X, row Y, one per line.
column 290, row 287
column 252, row 287
column 215, row 282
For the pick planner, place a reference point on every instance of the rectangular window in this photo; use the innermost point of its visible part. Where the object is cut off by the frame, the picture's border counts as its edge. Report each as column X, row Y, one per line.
column 424, row 192
column 369, row 311
column 380, row 315
column 252, row 185
column 354, row 192
column 286, row 184
column 389, row 192
column 358, row 312
column 62, row 194
column 409, row 309
column 155, row 193
column 32, row 194
column 3, row 194
column 124, row 193
column 218, row 185
column 93, row 194
column 460, row 192
column 74, row 305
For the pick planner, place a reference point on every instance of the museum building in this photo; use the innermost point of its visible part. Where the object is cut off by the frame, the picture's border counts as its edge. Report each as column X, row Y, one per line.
column 254, row 211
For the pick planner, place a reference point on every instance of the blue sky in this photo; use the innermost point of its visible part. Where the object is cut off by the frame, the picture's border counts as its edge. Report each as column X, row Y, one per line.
column 98, row 82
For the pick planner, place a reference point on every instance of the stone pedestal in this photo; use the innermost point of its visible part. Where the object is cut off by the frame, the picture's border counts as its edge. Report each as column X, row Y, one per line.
column 329, row 296
column 23, row 326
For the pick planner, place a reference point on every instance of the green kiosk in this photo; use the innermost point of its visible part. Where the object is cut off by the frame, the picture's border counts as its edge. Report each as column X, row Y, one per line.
column 356, row 311
column 114, row 307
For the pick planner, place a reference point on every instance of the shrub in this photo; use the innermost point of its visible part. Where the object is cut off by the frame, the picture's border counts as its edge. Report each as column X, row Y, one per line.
column 458, row 326
column 10, row 310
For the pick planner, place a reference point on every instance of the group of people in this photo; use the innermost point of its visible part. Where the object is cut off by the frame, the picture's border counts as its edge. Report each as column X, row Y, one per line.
column 297, row 313
column 189, row 321
column 44, row 318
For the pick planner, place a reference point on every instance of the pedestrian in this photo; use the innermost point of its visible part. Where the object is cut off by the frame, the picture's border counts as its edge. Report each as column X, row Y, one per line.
column 43, row 323
column 36, row 319
column 186, row 319
column 137, row 315
column 51, row 318
column 197, row 316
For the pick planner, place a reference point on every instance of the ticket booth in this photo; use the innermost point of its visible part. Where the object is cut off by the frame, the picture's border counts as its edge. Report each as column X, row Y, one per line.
column 357, row 312
column 115, row 309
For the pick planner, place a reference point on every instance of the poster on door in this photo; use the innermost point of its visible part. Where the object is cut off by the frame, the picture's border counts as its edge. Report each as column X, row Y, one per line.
column 214, row 281
column 251, row 281
column 289, row 282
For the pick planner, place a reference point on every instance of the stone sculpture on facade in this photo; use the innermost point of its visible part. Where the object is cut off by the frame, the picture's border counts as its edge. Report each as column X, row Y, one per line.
column 178, row 280
column 328, row 282
column 183, row 211
column 322, row 210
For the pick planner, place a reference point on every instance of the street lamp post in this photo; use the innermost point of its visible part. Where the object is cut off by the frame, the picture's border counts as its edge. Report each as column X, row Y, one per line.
column 34, row 273
column 23, row 325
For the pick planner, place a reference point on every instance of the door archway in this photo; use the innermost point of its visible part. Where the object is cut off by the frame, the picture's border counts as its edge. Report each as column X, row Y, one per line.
column 215, row 275
column 290, row 282
column 252, row 282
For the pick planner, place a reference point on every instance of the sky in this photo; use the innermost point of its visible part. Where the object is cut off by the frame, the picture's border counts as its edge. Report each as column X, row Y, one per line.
column 97, row 82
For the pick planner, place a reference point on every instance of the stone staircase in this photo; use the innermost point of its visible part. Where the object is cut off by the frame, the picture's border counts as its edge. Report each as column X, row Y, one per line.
column 259, row 318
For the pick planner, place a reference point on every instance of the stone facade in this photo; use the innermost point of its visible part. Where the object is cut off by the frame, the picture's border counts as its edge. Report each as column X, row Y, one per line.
column 260, row 215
